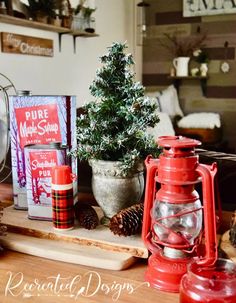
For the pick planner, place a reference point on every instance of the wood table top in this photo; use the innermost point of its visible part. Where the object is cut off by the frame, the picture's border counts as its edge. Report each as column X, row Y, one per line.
column 26, row 278
column 33, row 279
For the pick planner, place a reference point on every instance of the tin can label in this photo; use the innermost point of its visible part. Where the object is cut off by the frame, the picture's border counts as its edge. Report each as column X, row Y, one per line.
column 39, row 120
column 39, row 163
column 38, row 124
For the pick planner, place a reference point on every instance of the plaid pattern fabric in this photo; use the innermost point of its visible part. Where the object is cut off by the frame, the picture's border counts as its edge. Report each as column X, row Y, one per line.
column 62, row 208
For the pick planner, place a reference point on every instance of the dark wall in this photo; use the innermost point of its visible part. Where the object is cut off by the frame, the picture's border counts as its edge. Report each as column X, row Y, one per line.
column 166, row 17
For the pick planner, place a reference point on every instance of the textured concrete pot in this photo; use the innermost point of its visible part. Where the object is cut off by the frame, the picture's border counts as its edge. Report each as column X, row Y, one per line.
column 112, row 190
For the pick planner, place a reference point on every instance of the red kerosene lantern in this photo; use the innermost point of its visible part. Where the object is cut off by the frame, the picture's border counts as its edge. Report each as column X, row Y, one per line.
column 173, row 215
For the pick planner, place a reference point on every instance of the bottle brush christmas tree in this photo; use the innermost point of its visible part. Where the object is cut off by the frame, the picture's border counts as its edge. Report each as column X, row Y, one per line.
column 113, row 126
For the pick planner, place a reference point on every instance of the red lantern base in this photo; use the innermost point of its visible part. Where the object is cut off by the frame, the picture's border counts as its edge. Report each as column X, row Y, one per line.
column 165, row 273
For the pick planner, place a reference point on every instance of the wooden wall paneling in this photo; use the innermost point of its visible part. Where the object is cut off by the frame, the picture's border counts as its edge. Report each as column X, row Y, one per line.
column 154, row 52
column 215, row 27
column 220, row 53
column 165, row 6
column 196, row 105
column 174, row 18
column 211, row 104
column 221, row 79
column 221, row 92
column 155, row 88
column 219, row 18
column 154, row 67
column 151, row 12
column 214, row 67
column 157, row 31
column 190, row 89
column 219, row 40
column 156, row 79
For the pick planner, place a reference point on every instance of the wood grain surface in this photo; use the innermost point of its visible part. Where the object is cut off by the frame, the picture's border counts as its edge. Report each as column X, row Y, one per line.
column 101, row 237
column 30, row 269
column 128, row 285
column 70, row 253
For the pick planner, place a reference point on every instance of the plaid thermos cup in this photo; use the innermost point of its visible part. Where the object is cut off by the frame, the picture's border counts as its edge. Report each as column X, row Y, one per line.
column 62, row 197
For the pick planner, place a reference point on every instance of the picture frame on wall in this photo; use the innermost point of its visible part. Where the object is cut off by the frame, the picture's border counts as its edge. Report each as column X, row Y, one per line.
column 193, row 8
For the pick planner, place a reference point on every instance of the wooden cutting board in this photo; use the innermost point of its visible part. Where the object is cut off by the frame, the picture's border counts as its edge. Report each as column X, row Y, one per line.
column 98, row 247
column 227, row 247
column 71, row 253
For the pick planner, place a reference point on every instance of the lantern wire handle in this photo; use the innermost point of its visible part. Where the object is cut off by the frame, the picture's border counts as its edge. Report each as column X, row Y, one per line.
column 208, row 173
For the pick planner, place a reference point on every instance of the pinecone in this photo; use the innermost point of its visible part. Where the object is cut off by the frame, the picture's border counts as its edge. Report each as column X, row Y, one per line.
column 86, row 215
column 128, row 221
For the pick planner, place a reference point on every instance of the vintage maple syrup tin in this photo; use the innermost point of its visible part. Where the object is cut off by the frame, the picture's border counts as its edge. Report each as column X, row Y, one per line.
column 39, row 120
column 39, row 160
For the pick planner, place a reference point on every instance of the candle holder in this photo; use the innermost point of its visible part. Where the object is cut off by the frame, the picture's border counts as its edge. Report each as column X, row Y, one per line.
column 215, row 284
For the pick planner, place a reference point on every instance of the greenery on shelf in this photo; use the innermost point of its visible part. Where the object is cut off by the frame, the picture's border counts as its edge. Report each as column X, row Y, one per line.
column 201, row 56
column 182, row 46
column 86, row 11
column 46, row 7
column 113, row 127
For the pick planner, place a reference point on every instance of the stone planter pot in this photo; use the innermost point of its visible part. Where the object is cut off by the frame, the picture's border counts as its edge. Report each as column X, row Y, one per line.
column 112, row 190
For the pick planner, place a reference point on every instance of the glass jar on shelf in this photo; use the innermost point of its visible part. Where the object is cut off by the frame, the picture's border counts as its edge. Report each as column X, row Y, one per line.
column 89, row 24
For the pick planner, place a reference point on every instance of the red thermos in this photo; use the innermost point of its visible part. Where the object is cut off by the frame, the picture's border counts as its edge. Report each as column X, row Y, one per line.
column 62, row 197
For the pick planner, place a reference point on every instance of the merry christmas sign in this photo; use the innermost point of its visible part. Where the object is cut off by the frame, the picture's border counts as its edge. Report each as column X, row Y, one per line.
column 26, row 45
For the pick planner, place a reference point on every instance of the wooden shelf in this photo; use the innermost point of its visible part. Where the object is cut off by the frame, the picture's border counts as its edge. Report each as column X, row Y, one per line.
column 47, row 27
column 33, row 24
column 177, row 81
column 187, row 77
column 78, row 33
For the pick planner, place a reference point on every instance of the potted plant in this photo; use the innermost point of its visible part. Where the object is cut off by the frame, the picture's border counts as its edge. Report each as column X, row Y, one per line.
column 41, row 10
column 182, row 47
column 112, row 135
column 83, row 13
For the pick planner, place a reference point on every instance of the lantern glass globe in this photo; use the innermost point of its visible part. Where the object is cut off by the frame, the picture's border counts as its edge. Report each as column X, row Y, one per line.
column 180, row 223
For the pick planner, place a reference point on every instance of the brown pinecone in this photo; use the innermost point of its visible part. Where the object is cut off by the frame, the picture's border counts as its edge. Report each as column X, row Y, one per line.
column 86, row 215
column 128, row 221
